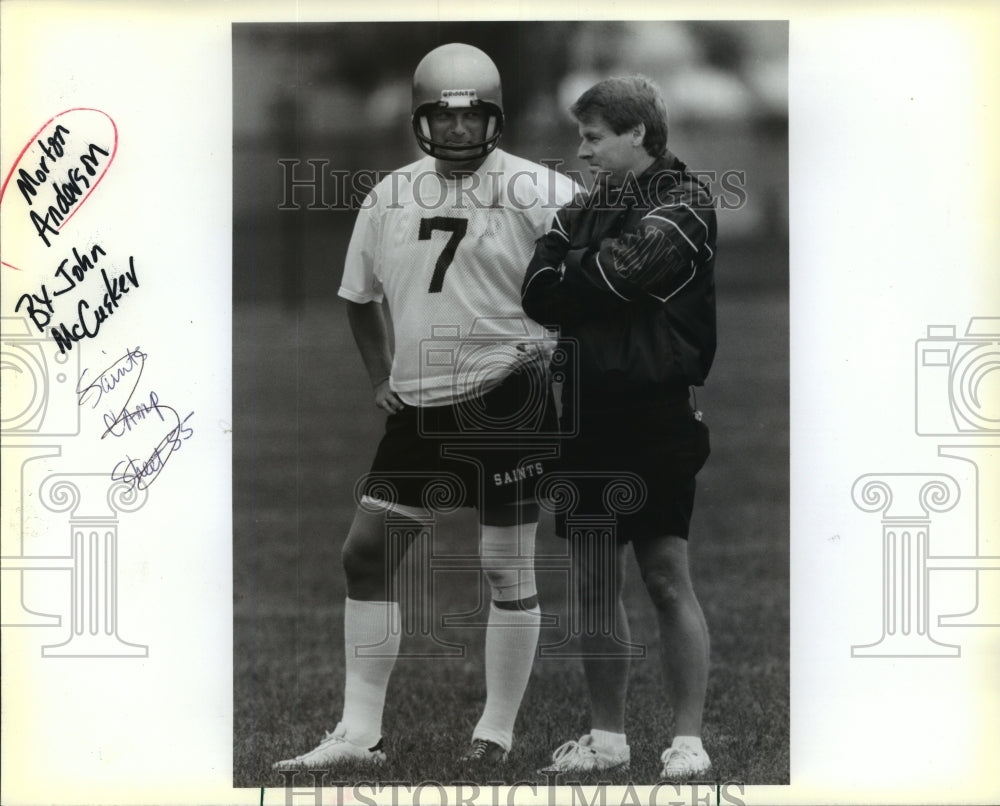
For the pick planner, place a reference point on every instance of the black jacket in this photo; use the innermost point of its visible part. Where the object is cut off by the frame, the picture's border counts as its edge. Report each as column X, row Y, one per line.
column 627, row 275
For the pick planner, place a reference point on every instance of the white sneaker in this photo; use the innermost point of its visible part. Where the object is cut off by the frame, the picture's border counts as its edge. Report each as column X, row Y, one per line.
column 585, row 756
column 684, row 762
column 334, row 750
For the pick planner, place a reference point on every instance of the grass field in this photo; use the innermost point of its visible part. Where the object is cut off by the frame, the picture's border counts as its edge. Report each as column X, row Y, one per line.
column 305, row 430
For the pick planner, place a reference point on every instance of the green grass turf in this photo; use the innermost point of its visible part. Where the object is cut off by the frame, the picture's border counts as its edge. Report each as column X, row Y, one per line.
column 305, row 430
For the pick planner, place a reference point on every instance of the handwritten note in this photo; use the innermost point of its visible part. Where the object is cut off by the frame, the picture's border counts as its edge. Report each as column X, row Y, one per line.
column 70, row 296
column 135, row 419
column 90, row 311
column 70, row 283
column 74, row 187
column 58, row 169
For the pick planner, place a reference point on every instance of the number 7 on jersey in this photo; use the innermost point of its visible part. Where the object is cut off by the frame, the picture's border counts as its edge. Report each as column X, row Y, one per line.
column 457, row 227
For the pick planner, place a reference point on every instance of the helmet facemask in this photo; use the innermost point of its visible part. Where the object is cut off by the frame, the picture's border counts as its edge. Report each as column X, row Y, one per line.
column 446, row 151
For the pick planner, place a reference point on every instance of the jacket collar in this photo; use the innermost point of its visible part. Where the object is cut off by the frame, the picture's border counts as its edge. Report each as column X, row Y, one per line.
column 635, row 189
column 667, row 163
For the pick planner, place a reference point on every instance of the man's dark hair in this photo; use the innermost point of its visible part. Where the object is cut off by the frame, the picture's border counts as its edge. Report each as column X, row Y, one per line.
column 626, row 102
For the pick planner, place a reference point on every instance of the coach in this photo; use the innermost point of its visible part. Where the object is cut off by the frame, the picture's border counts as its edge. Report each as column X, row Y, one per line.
column 627, row 272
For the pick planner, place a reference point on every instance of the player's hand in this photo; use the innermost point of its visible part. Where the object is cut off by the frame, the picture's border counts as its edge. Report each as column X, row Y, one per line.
column 386, row 399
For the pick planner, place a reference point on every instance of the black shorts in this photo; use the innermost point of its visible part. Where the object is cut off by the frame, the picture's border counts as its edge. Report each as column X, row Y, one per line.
column 482, row 452
column 632, row 469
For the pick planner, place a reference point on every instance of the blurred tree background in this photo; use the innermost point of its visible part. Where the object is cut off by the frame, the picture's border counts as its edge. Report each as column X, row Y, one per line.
column 338, row 94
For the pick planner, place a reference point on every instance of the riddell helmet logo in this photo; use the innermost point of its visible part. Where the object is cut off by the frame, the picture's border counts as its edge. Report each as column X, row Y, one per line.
column 450, row 97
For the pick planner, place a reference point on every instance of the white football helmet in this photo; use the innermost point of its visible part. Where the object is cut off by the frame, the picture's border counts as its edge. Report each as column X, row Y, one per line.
column 456, row 75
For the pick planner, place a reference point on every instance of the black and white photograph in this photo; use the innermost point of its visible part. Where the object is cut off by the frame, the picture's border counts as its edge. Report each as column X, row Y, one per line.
column 510, row 327
column 470, row 403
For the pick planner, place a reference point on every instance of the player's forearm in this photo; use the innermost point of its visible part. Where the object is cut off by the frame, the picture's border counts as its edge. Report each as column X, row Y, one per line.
column 371, row 334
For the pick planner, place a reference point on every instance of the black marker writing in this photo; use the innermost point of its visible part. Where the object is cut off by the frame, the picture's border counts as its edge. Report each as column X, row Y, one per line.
column 90, row 314
column 90, row 318
column 67, row 193
column 81, row 265
column 53, row 149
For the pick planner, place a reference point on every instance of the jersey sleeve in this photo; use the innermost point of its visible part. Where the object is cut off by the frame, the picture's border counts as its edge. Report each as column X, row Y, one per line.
column 664, row 253
column 360, row 282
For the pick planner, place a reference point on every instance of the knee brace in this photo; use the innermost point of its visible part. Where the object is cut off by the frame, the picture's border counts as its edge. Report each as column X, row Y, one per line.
column 507, row 556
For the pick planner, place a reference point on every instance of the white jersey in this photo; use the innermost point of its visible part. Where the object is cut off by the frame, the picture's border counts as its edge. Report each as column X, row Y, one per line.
column 450, row 256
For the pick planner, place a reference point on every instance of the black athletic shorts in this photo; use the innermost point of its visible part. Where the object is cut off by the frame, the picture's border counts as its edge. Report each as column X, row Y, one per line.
column 633, row 469
column 482, row 452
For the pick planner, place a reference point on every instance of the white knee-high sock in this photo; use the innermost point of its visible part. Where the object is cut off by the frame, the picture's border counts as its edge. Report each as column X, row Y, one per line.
column 511, row 638
column 371, row 644
column 507, row 555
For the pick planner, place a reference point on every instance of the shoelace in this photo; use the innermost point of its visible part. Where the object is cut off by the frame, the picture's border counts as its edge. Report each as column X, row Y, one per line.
column 480, row 747
column 572, row 747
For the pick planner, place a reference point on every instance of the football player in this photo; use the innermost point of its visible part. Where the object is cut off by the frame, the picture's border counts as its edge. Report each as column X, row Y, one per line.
column 445, row 242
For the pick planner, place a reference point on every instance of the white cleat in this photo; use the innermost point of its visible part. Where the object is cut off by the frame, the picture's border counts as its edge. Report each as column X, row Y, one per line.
column 584, row 756
column 333, row 751
column 682, row 762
